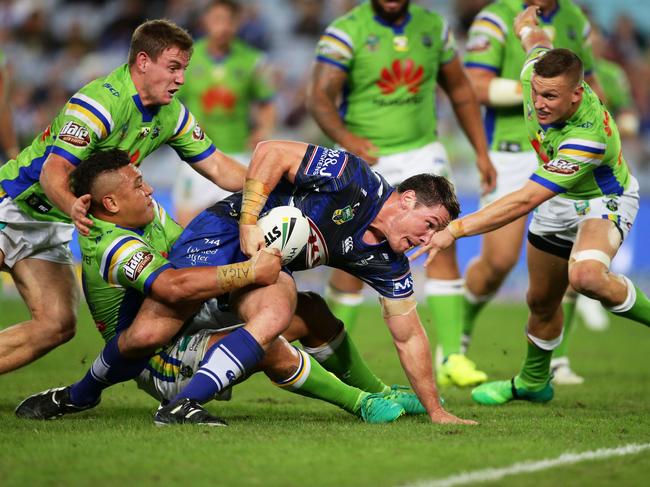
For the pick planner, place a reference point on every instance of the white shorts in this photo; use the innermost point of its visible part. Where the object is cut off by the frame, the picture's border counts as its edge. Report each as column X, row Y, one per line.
column 561, row 217
column 193, row 191
column 431, row 158
column 22, row 237
column 513, row 171
column 170, row 370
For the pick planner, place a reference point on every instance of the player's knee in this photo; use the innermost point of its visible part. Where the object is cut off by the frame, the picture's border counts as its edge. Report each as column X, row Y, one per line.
column 587, row 277
column 540, row 306
column 56, row 330
column 501, row 264
column 137, row 340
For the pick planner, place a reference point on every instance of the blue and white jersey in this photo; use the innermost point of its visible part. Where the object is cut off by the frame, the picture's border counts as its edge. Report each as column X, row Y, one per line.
column 340, row 195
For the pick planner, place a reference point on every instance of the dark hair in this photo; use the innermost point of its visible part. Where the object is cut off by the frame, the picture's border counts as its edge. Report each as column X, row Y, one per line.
column 431, row 190
column 154, row 36
column 235, row 7
column 86, row 173
column 560, row 62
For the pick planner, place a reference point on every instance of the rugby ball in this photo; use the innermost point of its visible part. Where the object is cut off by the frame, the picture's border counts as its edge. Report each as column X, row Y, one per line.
column 285, row 228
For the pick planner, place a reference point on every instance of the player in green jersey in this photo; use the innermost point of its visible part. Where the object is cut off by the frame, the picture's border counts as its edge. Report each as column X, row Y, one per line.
column 228, row 88
column 8, row 141
column 494, row 60
column 586, row 202
column 384, row 60
column 124, row 260
column 133, row 108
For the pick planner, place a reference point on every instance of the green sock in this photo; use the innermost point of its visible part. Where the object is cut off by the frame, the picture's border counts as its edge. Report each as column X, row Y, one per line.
column 471, row 309
column 536, row 369
column 312, row 380
column 345, row 306
column 568, row 309
column 344, row 361
column 446, row 311
column 640, row 310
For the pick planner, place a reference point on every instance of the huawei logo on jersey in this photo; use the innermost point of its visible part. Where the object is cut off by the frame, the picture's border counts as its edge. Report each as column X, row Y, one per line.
column 218, row 96
column 401, row 73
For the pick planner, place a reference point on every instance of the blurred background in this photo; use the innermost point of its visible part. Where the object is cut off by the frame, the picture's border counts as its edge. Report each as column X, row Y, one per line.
column 53, row 47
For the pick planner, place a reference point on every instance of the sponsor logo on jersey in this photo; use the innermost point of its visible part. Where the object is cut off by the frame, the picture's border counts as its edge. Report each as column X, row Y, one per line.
column 75, row 134
column 136, row 264
column 403, row 286
column 582, row 207
column 343, row 215
column 401, row 43
column 401, row 73
column 155, row 132
column 426, row 40
column 112, row 90
column 561, row 167
column 38, row 204
column 326, row 162
column 348, row 245
column 197, row 133
column 478, row 43
column 372, row 42
column 46, row 133
column 218, row 97
column 144, row 131
column 317, row 253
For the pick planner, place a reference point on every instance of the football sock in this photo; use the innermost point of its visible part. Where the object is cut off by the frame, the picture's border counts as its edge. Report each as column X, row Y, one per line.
column 472, row 306
column 312, row 380
column 536, row 370
column 227, row 360
column 341, row 357
column 445, row 301
column 345, row 306
column 110, row 367
column 636, row 305
column 568, row 309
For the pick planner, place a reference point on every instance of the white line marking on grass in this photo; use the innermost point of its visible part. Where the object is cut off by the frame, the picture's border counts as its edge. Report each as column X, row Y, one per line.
column 568, row 458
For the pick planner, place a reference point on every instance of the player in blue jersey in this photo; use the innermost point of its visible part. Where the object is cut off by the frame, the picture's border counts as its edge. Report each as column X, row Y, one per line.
column 359, row 223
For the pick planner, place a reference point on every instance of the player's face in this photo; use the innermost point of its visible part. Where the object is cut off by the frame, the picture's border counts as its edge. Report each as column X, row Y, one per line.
column 415, row 225
column 390, row 10
column 164, row 76
column 221, row 25
column 134, row 198
column 554, row 98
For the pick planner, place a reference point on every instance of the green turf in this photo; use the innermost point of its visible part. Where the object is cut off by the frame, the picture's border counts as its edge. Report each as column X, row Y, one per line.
column 279, row 439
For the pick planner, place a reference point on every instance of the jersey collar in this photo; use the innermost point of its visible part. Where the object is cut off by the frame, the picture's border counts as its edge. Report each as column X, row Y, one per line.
column 147, row 112
column 397, row 29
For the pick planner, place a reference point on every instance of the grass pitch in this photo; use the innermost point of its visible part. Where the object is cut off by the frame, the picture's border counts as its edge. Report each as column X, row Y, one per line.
column 279, row 439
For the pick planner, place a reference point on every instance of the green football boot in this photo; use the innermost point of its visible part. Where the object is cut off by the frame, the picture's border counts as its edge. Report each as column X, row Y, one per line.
column 403, row 396
column 503, row 391
column 376, row 409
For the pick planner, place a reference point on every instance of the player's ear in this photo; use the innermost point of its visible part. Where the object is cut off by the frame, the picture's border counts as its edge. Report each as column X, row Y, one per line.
column 110, row 204
column 408, row 199
column 141, row 61
column 577, row 94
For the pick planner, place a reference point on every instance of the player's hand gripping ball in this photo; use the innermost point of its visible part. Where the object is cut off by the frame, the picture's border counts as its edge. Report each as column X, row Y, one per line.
column 285, row 228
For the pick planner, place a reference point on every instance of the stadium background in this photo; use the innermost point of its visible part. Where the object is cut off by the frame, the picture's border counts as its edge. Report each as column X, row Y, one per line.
column 53, row 47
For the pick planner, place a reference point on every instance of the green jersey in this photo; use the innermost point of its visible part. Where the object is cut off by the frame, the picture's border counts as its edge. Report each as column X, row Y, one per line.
column 615, row 85
column 580, row 158
column 220, row 91
column 119, row 266
column 106, row 113
column 493, row 45
column 389, row 96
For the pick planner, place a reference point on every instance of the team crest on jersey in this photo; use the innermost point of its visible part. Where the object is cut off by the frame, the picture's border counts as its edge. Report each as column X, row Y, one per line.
column 75, row 134
column 611, row 204
column 317, row 253
column 197, row 133
column 136, row 264
column 582, row 207
column 561, row 167
column 401, row 73
column 343, row 215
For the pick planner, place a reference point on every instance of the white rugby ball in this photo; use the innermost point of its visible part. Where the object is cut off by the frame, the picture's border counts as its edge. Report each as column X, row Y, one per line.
column 285, row 228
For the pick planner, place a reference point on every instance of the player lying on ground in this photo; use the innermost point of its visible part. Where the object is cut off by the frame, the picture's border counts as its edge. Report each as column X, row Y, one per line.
column 359, row 223
column 586, row 202
column 124, row 260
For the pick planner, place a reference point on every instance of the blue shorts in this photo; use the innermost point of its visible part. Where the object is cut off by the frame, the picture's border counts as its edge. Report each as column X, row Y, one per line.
column 209, row 240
